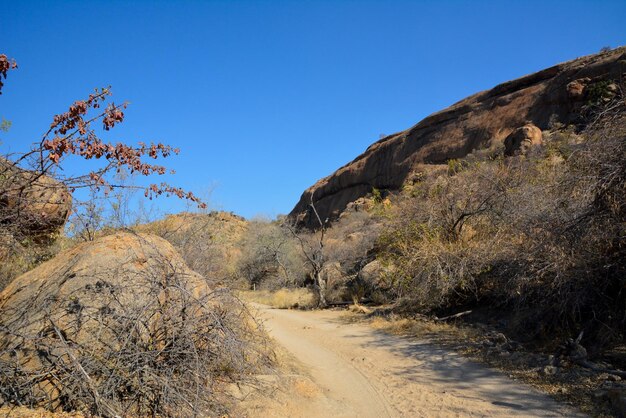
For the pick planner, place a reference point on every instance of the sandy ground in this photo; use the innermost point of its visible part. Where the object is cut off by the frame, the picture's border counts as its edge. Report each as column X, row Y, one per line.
column 341, row 369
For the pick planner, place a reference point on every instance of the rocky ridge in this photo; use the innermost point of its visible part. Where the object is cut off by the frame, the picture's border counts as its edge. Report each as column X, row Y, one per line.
column 526, row 105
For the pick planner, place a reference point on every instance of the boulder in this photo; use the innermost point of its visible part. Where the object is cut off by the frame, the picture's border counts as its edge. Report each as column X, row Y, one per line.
column 70, row 321
column 522, row 139
column 31, row 204
column 373, row 282
column 480, row 121
column 576, row 88
column 371, row 273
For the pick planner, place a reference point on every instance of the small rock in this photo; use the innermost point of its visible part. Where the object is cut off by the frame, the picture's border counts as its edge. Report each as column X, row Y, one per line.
column 575, row 89
column 498, row 338
column 614, row 378
column 550, row 370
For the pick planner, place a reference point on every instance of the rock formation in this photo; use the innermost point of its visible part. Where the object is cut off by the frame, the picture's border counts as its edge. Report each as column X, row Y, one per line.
column 556, row 94
column 520, row 140
column 31, row 205
column 81, row 309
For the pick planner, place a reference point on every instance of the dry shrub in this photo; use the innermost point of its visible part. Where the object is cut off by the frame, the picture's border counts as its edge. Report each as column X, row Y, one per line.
column 271, row 258
column 442, row 238
column 208, row 242
column 121, row 327
column 542, row 234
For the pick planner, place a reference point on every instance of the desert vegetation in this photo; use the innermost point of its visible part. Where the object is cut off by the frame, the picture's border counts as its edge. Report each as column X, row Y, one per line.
column 147, row 337
column 112, row 313
column 536, row 237
column 104, row 322
column 279, row 255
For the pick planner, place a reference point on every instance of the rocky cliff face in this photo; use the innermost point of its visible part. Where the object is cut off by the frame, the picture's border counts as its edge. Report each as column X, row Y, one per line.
column 485, row 119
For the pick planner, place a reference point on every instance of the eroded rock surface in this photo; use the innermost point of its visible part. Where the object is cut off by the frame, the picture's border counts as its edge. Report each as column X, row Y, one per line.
column 32, row 205
column 485, row 119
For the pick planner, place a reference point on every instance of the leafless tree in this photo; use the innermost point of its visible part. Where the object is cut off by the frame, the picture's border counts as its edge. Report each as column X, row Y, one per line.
column 312, row 247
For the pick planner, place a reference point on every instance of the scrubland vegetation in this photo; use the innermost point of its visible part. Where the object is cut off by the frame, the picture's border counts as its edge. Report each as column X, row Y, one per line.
column 103, row 322
column 284, row 298
column 536, row 240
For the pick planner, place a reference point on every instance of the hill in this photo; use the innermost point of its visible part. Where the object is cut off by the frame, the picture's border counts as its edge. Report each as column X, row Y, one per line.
column 483, row 120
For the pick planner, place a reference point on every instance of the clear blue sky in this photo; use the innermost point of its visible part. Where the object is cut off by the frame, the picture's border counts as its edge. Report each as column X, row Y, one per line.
column 266, row 97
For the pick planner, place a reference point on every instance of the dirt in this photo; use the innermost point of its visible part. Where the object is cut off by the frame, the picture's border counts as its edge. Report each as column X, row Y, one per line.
column 343, row 369
column 22, row 412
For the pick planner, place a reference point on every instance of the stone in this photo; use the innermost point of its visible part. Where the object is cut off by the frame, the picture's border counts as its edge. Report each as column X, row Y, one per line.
column 576, row 88
column 550, row 370
column 522, row 139
column 32, row 205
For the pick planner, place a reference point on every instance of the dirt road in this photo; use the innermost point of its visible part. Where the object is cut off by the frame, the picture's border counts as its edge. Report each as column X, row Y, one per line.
column 352, row 370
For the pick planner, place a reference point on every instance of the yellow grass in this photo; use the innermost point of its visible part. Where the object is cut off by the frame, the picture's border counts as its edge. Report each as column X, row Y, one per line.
column 282, row 299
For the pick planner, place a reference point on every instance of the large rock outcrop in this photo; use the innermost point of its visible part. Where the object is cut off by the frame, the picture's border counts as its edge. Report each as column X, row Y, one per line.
column 68, row 324
column 555, row 94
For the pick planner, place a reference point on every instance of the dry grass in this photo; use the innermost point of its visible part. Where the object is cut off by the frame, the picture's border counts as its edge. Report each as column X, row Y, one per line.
column 282, row 299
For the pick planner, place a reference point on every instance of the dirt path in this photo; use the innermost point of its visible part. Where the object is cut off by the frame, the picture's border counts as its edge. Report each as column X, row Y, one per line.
column 352, row 370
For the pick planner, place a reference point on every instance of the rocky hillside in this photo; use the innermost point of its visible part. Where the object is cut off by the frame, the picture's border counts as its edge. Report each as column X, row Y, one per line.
column 507, row 115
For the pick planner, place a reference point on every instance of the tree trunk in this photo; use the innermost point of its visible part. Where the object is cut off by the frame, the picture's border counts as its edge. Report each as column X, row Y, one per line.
column 320, row 286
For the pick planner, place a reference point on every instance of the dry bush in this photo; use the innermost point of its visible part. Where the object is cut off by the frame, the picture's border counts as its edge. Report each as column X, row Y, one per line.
column 574, row 260
column 446, row 235
column 130, row 332
column 271, row 258
column 542, row 234
column 278, row 255
column 209, row 242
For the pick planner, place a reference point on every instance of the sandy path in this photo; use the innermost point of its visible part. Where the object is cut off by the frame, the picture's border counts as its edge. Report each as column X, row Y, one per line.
column 356, row 371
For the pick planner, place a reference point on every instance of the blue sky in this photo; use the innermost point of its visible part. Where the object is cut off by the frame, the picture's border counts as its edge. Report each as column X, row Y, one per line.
column 266, row 97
